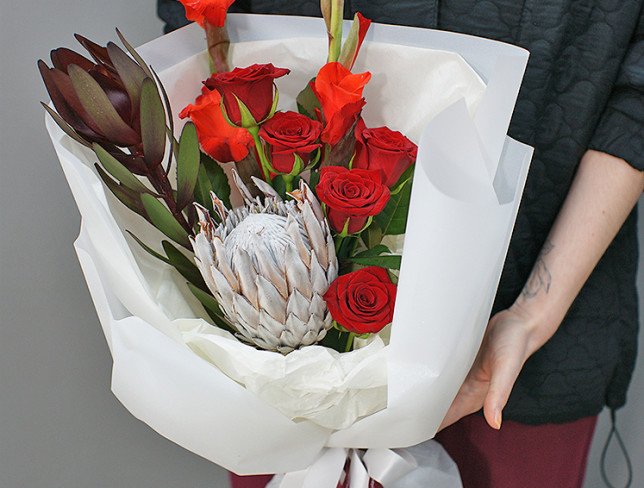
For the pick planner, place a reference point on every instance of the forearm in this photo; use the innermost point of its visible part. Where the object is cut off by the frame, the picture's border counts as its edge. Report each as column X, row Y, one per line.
column 603, row 193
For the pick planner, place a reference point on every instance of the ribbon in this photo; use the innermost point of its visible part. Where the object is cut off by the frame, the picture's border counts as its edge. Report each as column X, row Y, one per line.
column 384, row 466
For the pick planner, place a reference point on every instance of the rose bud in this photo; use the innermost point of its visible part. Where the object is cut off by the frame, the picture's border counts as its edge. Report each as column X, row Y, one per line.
column 289, row 134
column 253, row 86
column 384, row 150
column 362, row 301
column 351, row 195
column 340, row 95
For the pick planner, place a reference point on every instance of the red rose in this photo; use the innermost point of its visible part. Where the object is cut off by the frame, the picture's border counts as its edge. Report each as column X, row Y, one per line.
column 288, row 134
column 384, row 150
column 340, row 95
column 254, row 86
column 362, row 301
column 353, row 195
column 211, row 11
column 217, row 137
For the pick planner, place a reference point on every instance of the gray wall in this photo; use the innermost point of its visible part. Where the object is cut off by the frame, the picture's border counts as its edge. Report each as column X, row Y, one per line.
column 60, row 427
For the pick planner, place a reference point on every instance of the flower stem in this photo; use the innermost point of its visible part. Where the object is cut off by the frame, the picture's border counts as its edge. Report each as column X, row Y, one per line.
column 350, row 339
column 254, row 131
column 288, row 182
column 335, row 34
column 218, row 45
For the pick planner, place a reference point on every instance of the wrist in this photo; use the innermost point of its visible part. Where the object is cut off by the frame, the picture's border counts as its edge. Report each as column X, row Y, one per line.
column 538, row 325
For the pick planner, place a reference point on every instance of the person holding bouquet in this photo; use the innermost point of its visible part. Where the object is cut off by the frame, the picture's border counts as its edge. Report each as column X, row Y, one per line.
column 561, row 343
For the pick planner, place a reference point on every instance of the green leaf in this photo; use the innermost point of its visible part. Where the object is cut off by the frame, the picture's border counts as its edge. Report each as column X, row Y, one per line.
column 130, row 73
column 389, row 262
column 350, row 45
column 100, row 109
column 118, row 171
column 163, row 220
column 372, row 236
column 184, row 265
column 134, row 54
column 393, row 219
column 375, row 251
column 211, row 178
column 307, row 102
column 314, row 179
column 187, row 165
column 67, row 129
column 170, row 129
column 126, row 196
column 152, row 123
column 148, row 249
column 247, row 119
column 212, row 307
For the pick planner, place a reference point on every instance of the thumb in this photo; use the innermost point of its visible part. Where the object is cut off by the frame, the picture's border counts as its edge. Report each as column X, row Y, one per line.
column 503, row 376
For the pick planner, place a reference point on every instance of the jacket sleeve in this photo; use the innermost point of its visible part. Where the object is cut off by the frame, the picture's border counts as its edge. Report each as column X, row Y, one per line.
column 620, row 131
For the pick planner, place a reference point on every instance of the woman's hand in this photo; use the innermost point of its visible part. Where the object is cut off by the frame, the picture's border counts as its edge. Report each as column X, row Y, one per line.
column 507, row 343
column 603, row 193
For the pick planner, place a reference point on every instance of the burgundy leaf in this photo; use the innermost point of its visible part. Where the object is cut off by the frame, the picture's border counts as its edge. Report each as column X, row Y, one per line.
column 99, row 53
column 63, row 57
column 63, row 107
column 116, row 94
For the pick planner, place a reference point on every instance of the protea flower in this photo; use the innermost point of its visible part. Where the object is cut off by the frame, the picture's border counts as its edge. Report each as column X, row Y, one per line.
column 268, row 264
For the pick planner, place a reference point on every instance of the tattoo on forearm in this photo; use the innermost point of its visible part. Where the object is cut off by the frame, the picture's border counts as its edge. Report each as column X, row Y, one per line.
column 540, row 278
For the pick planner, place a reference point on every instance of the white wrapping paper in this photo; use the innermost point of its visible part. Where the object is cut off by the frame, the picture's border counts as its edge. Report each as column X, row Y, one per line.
column 467, row 187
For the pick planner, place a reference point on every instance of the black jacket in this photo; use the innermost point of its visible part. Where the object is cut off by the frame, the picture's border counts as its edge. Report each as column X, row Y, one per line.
column 584, row 88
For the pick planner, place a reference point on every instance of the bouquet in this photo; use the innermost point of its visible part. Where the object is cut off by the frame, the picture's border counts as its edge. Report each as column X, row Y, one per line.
column 249, row 269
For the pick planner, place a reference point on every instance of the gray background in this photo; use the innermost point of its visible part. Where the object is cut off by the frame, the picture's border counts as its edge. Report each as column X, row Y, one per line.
column 60, row 427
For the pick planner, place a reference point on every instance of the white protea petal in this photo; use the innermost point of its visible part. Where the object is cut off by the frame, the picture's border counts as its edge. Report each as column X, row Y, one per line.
column 333, row 260
column 266, row 189
column 270, row 299
column 319, row 281
column 308, row 196
column 223, row 263
column 317, row 307
column 272, row 326
column 269, row 269
column 297, row 274
column 246, row 275
column 303, row 249
column 222, row 287
column 296, row 327
column 314, row 232
column 298, row 305
column 246, row 311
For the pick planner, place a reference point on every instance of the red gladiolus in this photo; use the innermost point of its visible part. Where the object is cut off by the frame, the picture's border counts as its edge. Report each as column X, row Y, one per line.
column 351, row 195
column 289, row 134
column 218, row 138
column 362, row 301
column 384, row 150
column 253, row 86
column 340, row 95
column 210, row 11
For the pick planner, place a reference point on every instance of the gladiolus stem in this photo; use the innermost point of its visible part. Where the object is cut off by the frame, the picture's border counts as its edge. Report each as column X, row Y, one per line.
column 218, row 44
column 335, row 34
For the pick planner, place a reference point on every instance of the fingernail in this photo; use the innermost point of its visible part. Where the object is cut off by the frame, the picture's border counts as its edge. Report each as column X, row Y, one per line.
column 498, row 419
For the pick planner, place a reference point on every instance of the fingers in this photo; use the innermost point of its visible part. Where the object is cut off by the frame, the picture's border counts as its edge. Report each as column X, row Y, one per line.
column 468, row 400
column 503, row 377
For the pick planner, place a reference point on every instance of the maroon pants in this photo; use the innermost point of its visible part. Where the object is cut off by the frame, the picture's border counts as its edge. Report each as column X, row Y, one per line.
column 519, row 455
